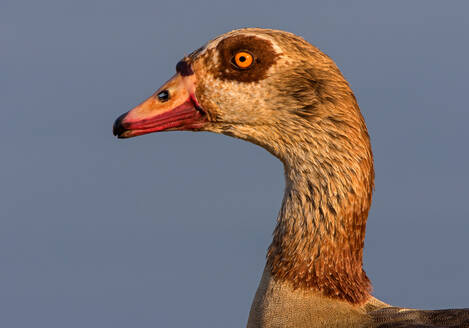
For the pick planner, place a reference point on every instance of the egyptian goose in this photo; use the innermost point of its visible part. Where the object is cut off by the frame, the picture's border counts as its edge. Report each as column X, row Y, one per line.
column 276, row 90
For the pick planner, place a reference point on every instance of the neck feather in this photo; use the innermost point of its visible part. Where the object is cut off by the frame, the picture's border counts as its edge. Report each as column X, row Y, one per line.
column 319, row 237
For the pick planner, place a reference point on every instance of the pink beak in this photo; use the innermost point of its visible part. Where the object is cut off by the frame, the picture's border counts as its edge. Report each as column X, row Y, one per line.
column 172, row 107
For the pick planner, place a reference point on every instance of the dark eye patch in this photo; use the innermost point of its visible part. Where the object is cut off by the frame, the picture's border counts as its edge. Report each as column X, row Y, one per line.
column 261, row 49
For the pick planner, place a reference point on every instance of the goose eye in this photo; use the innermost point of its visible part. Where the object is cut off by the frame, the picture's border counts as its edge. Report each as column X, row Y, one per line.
column 243, row 59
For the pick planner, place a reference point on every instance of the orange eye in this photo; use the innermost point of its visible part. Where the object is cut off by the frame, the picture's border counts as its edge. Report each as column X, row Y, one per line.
column 243, row 59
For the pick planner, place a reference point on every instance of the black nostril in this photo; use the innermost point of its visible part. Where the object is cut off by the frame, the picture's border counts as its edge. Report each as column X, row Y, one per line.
column 163, row 96
column 117, row 128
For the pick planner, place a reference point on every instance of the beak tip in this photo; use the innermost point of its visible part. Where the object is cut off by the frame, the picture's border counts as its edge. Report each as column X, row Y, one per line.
column 118, row 128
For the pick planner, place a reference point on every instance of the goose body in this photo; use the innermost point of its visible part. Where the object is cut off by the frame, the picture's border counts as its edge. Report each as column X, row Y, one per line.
column 276, row 90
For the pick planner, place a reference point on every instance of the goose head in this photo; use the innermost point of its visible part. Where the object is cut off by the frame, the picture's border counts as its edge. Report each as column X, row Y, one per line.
column 265, row 86
column 276, row 90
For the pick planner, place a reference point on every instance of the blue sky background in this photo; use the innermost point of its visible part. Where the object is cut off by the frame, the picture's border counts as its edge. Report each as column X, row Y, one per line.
column 170, row 230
